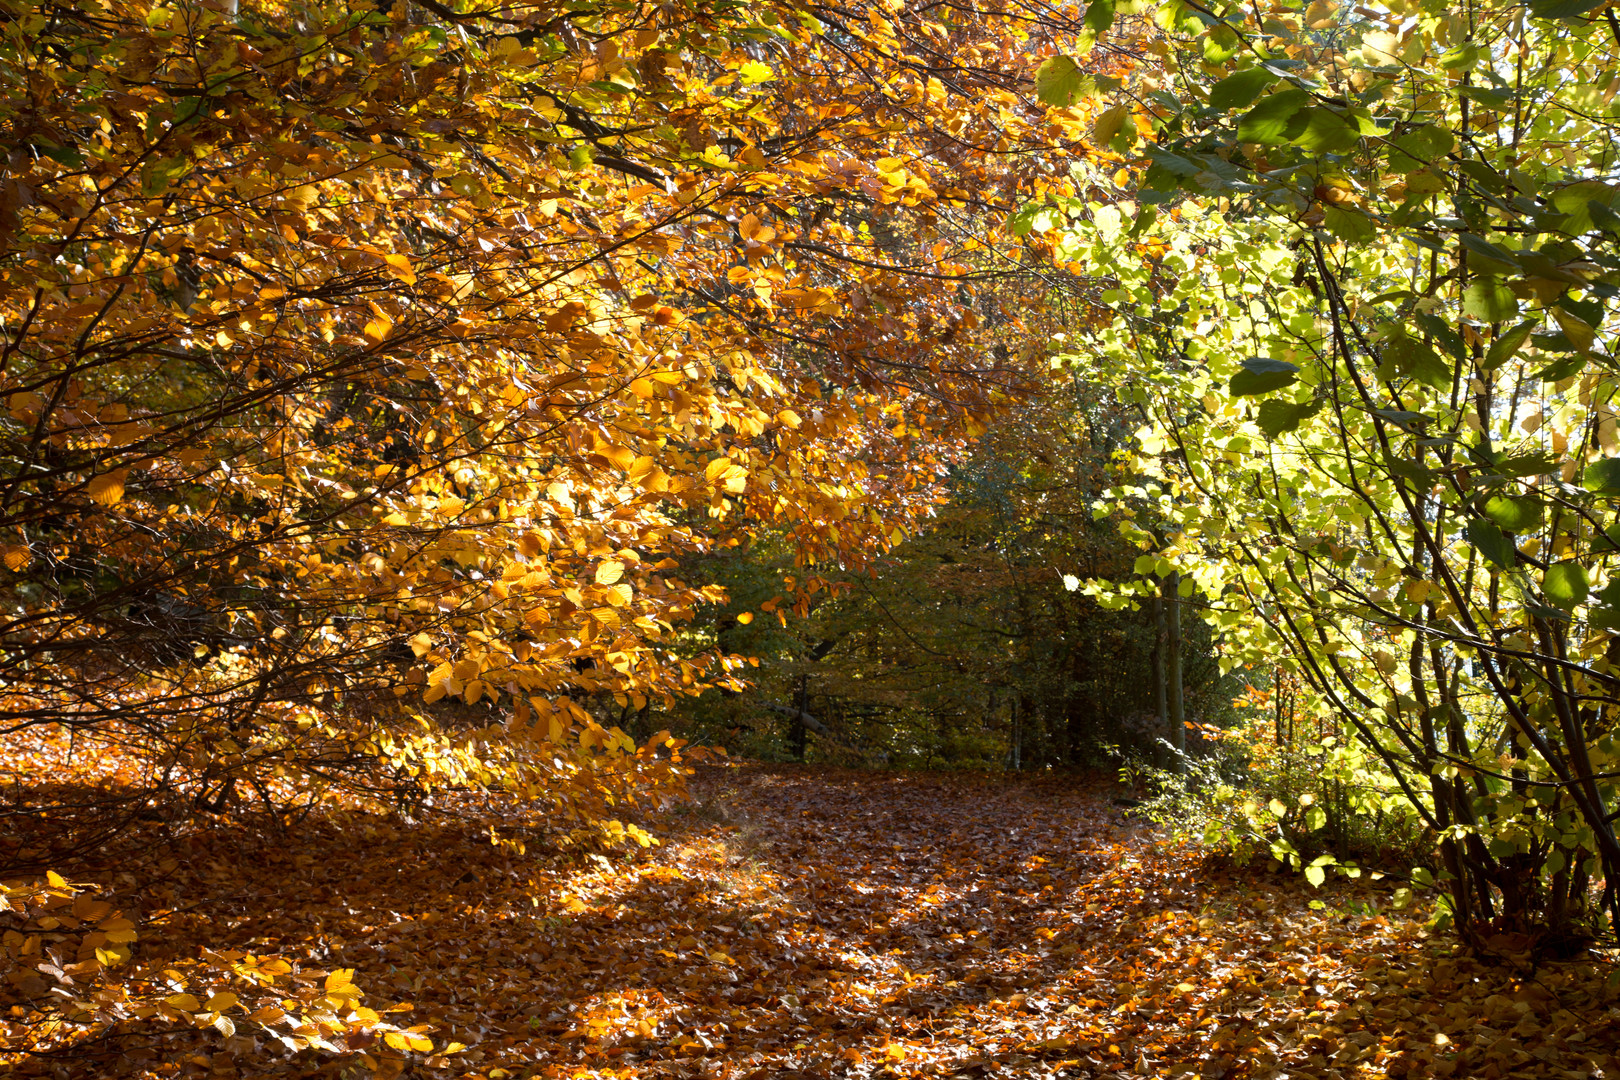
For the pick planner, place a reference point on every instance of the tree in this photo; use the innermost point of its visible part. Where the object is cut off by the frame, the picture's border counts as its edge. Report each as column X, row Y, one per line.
column 1364, row 310
column 371, row 372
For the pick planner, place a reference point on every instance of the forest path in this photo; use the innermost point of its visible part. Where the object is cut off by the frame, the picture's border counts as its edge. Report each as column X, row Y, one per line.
column 809, row 924
column 843, row 924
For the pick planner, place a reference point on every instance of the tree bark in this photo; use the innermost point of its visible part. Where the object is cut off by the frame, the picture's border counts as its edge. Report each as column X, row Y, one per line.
column 1172, row 665
column 1160, row 688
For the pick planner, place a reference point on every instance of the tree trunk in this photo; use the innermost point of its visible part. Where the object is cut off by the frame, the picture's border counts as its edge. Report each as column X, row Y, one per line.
column 801, row 717
column 1160, row 690
column 1172, row 668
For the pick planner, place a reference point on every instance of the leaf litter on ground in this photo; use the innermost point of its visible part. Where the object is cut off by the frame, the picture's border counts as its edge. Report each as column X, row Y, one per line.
column 802, row 922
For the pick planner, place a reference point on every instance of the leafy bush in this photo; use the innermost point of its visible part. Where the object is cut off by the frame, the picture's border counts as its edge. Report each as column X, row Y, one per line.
column 1308, row 800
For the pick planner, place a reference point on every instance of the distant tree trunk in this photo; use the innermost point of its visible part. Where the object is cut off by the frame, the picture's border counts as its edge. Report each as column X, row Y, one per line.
column 1172, row 666
column 800, row 738
column 1023, row 713
column 1016, row 752
column 1283, row 737
column 1160, row 690
column 803, row 719
column 1079, row 707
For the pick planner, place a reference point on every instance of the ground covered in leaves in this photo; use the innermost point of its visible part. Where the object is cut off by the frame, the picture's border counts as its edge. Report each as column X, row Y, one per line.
column 801, row 923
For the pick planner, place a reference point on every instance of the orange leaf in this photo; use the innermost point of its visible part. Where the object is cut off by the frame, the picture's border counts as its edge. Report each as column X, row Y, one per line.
column 399, row 267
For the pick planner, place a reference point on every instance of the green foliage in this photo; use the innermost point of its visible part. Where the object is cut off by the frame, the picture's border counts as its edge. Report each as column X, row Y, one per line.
column 1309, row 800
column 1372, row 350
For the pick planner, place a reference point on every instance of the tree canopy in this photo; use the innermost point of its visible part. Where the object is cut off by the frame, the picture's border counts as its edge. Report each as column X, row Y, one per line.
column 371, row 367
column 374, row 373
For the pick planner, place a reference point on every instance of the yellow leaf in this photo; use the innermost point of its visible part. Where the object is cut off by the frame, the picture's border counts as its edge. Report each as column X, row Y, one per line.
column 184, row 1001
column 378, row 329
column 1109, row 122
column 302, row 197
column 17, row 557
column 55, row 880
column 620, row 456
column 716, row 469
column 340, row 979
column 1320, row 14
column 1577, row 330
column 222, row 1001
column 108, row 488
column 746, row 617
column 226, row 1025
column 113, row 956
column 363, row 1017
column 609, row 572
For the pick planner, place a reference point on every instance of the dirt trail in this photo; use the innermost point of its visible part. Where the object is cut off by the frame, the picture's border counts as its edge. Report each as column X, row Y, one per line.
column 801, row 923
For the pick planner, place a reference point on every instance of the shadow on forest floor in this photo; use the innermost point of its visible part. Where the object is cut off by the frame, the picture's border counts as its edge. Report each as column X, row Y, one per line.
column 809, row 923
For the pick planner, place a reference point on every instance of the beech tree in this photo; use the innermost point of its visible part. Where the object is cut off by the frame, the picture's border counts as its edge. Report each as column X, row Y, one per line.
column 370, row 371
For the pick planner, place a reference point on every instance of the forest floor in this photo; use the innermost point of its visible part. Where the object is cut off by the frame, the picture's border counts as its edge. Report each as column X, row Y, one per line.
column 799, row 923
